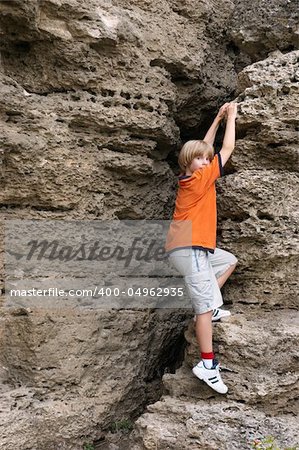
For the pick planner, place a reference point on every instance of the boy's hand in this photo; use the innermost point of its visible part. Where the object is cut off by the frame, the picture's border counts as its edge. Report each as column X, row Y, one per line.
column 232, row 110
column 222, row 111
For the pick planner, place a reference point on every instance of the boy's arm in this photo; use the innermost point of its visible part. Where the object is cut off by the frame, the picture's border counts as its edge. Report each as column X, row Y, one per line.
column 229, row 136
column 211, row 134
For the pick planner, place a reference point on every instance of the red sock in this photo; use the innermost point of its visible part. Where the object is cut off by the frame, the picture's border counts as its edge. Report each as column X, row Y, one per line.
column 207, row 355
column 208, row 359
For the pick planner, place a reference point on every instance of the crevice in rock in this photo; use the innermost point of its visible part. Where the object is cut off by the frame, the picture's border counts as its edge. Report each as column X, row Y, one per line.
column 263, row 215
column 199, row 132
column 246, row 130
column 35, row 207
column 169, row 360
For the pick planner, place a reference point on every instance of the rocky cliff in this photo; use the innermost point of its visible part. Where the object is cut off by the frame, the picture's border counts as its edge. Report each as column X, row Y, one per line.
column 96, row 98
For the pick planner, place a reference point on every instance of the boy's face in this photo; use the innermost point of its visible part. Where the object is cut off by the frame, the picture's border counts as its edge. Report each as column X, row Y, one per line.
column 199, row 162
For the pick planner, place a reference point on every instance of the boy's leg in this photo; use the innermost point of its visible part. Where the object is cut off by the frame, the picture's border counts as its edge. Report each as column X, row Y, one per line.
column 204, row 332
column 208, row 368
column 204, row 294
column 223, row 264
column 222, row 279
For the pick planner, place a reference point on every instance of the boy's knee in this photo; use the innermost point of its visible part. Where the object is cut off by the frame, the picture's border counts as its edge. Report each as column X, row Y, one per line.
column 233, row 266
column 234, row 261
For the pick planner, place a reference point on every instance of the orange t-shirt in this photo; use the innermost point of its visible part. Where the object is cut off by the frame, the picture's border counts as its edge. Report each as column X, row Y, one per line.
column 195, row 216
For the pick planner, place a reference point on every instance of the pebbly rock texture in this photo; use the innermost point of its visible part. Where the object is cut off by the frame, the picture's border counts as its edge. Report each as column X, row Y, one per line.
column 262, row 26
column 185, row 424
column 95, row 99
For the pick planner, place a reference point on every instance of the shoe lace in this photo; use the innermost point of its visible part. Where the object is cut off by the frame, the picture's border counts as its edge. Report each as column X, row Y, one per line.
column 216, row 365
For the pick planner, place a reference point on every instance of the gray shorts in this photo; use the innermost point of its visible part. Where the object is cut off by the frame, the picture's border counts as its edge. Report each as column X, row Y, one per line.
column 200, row 270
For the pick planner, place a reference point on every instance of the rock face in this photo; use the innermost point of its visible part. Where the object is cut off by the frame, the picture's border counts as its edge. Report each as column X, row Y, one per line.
column 95, row 99
column 68, row 375
column 259, row 26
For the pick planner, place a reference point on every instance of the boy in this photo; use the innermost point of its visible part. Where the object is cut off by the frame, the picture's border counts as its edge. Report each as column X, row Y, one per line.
column 191, row 239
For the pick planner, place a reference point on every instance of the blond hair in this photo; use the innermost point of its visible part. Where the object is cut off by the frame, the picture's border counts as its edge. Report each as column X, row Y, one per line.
column 192, row 149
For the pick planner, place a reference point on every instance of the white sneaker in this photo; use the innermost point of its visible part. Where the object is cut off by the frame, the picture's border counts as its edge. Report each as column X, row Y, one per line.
column 219, row 313
column 210, row 376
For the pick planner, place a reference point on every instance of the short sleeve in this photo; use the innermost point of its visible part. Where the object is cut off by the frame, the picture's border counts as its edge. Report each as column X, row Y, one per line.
column 209, row 174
